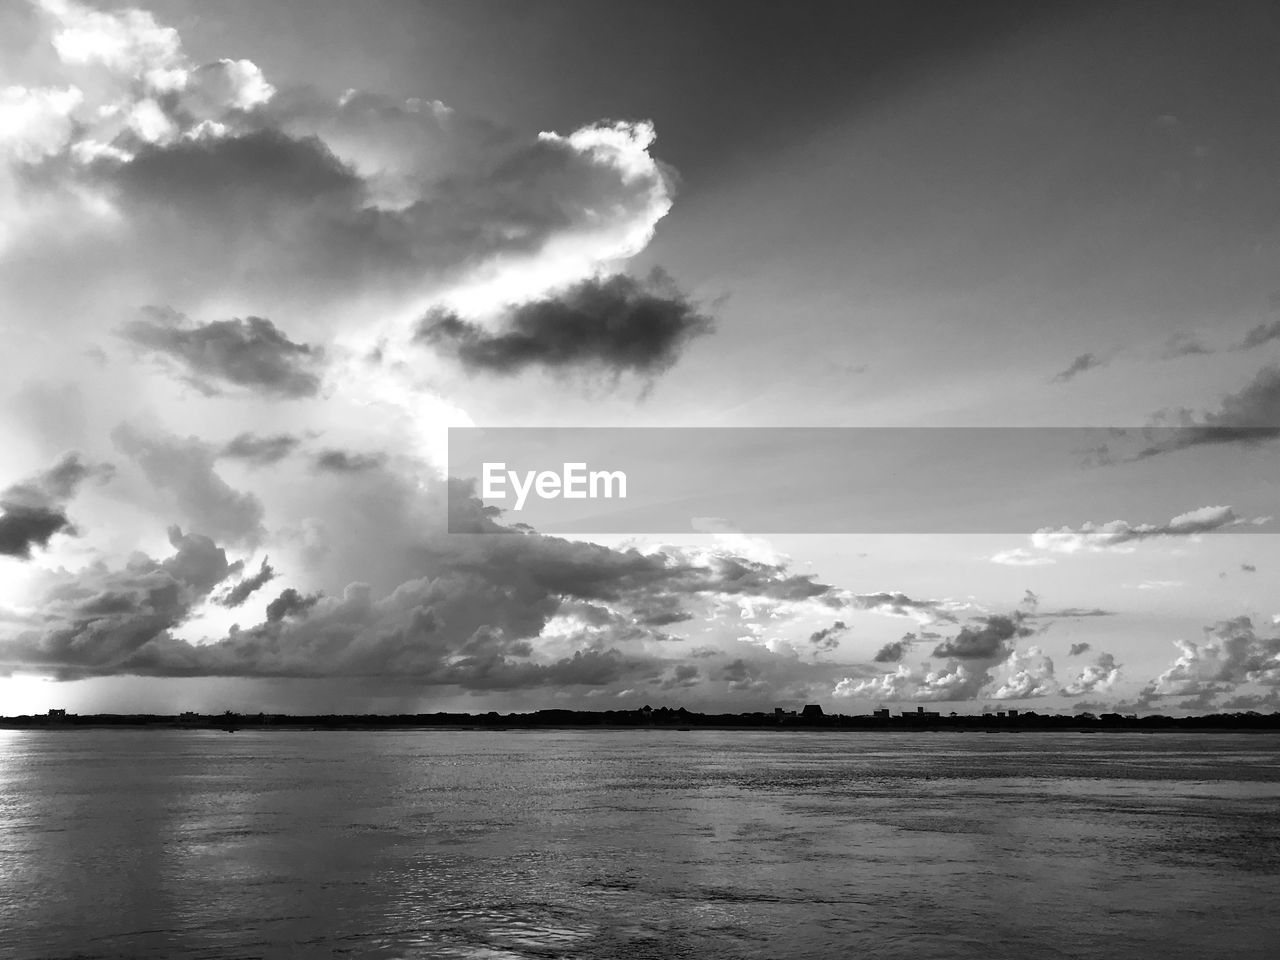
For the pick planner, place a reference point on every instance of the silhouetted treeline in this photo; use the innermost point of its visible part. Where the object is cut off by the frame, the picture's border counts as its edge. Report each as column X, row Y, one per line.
column 663, row 717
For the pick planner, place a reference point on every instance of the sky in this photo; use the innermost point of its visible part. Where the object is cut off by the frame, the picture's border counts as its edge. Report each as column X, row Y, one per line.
column 257, row 259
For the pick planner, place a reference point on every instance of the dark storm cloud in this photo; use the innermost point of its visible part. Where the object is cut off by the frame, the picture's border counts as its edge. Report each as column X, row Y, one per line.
column 260, row 451
column 617, row 324
column 326, row 198
column 184, row 469
column 898, row 604
column 741, row 675
column 1078, row 648
column 469, row 616
column 99, row 620
column 987, row 642
column 1249, row 416
column 33, row 510
column 232, row 176
column 246, row 587
column 59, row 483
column 828, row 638
column 345, row 461
column 290, row 603
column 1086, row 361
column 895, row 650
column 682, row 677
column 250, row 353
column 22, row 528
column 254, row 184
column 1263, row 333
column 661, row 611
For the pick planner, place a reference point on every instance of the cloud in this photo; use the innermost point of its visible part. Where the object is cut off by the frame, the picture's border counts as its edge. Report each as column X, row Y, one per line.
column 1118, row 533
column 895, row 650
column 1079, row 648
column 260, row 451
column 898, row 604
column 101, row 620
column 616, row 324
column 1248, row 568
column 895, row 686
column 1018, row 557
column 1184, row 345
column 1030, row 675
column 1232, row 653
column 184, row 471
column 234, row 198
column 1098, row 676
column 226, row 186
column 1086, row 361
column 972, row 655
column 250, row 353
column 1260, row 335
column 33, row 510
column 682, row 677
column 345, row 461
column 248, row 586
column 130, row 43
column 958, row 680
column 1253, row 701
column 22, row 528
column 1076, row 612
column 1249, row 416
column 742, row 676
column 991, row 640
column 475, row 612
column 828, row 638
column 290, row 603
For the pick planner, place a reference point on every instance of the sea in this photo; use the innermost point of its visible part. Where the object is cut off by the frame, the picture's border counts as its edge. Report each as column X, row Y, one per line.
column 638, row 843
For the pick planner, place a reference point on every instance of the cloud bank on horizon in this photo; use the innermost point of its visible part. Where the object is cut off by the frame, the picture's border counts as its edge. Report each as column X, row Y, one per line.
column 235, row 300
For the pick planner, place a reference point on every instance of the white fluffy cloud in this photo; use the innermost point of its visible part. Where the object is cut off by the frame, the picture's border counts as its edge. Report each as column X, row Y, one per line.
column 1119, row 534
column 971, row 658
column 1030, row 675
column 1232, row 652
column 214, row 185
column 1101, row 675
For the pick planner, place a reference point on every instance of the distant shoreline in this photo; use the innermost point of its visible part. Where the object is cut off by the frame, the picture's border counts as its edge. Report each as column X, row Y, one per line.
column 662, row 719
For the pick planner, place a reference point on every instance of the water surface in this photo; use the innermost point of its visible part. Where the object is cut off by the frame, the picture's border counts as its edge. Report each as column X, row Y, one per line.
column 637, row 844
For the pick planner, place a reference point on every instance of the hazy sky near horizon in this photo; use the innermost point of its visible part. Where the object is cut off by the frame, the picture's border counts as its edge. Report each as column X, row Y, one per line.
column 255, row 258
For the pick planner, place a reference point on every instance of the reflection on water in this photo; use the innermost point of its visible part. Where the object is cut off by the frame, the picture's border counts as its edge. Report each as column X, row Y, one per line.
column 636, row 844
